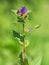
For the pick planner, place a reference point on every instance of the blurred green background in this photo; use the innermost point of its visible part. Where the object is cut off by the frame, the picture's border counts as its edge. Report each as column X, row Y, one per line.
column 39, row 38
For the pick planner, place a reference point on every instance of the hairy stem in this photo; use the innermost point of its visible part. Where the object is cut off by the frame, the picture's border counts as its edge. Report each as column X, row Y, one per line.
column 24, row 42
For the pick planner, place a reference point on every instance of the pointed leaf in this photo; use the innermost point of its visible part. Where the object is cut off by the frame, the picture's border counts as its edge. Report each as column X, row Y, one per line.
column 21, row 60
column 15, row 11
column 26, row 61
column 16, row 34
column 37, row 26
column 20, row 38
column 37, row 61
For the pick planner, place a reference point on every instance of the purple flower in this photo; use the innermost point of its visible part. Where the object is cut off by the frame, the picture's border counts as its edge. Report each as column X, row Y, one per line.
column 28, row 29
column 22, row 11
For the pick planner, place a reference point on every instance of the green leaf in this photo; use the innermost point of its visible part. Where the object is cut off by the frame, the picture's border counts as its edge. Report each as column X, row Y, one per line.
column 18, row 36
column 21, row 59
column 37, row 26
column 15, row 34
column 36, row 61
column 15, row 11
column 26, row 61
column 27, row 42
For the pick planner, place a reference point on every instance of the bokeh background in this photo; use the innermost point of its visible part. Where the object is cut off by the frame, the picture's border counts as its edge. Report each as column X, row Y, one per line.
column 39, row 38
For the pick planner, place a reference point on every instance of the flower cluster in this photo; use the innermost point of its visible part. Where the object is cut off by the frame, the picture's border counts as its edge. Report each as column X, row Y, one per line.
column 22, row 14
column 22, row 11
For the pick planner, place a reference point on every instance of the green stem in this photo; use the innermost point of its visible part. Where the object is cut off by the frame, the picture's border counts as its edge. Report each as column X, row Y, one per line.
column 24, row 42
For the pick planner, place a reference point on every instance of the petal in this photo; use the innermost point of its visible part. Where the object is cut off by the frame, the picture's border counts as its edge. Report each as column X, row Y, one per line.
column 23, row 10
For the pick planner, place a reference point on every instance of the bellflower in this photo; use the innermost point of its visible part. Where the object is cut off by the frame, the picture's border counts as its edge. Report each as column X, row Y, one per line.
column 22, row 11
column 22, row 14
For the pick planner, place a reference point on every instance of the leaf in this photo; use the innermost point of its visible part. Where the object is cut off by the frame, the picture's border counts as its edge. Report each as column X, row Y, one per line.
column 26, row 61
column 21, row 59
column 18, row 36
column 27, row 42
column 15, row 11
column 15, row 34
column 37, row 61
column 37, row 26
